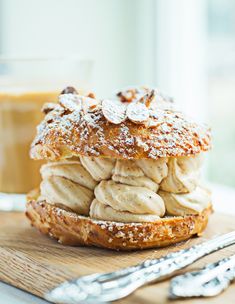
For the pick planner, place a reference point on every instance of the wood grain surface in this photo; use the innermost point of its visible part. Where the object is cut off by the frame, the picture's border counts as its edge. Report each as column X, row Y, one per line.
column 35, row 263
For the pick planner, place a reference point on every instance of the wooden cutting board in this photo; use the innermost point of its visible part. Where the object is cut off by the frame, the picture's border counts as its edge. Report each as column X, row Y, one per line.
column 35, row 263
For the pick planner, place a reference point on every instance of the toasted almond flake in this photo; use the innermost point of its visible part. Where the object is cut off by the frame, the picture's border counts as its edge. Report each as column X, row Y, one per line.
column 148, row 98
column 89, row 104
column 91, row 95
column 114, row 111
column 131, row 94
column 71, row 102
column 137, row 112
column 69, row 90
column 48, row 107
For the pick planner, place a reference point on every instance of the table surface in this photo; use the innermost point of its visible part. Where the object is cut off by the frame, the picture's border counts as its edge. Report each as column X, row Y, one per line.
column 223, row 198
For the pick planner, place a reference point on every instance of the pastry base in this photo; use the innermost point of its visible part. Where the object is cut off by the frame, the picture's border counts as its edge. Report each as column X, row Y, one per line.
column 69, row 228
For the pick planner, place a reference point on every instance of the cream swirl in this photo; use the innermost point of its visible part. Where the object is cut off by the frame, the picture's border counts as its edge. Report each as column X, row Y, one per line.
column 100, row 168
column 72, row 170
column 67, row 183
column 104, row 212
column 125, row 190
column 62, row 191
column 183, row 174
column 136, row 200
column 189, row 203
column 127, row 172
column 156, row 169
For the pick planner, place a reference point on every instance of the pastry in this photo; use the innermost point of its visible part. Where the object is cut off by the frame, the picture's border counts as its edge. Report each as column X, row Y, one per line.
column 121, row 174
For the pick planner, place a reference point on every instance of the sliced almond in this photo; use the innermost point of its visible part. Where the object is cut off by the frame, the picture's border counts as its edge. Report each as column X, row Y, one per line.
column 149, row 97
column 114, row 111
column 71, row 102
column 69, row 90
column 91, row 95
column 48, row 107
column 132, row 93
column 137, row 112
column 90, row 104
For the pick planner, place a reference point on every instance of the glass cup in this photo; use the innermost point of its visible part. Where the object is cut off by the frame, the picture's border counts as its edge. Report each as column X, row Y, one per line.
column 25, row 85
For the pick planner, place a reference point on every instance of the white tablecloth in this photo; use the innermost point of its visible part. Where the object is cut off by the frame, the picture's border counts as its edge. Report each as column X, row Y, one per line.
column 223, row 201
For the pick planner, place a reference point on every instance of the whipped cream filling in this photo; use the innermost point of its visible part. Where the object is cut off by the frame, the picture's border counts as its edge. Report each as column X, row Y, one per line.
column 62, row 191
column 126, row 190
column 72, row 170
column 99, row 167
column 107, row 213
column 127, row 172
column 189, row 203
column 136, row 200
column 183, row 174
column 154, row 169
column 67, row 183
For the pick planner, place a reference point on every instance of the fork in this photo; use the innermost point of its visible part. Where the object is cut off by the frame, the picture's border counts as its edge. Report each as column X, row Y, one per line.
column 119, row 284
column 208, row 282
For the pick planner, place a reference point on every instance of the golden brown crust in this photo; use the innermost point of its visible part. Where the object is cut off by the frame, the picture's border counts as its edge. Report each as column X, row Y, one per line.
column 72, row 229
column 69, row 130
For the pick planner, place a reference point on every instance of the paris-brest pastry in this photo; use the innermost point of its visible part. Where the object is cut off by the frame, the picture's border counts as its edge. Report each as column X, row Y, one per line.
column 122, row 173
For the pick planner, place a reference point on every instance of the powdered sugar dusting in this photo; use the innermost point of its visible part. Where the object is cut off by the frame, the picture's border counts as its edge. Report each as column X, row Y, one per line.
column 137, row 112
column 71, row 102
column 87, row 131
column 114, row 111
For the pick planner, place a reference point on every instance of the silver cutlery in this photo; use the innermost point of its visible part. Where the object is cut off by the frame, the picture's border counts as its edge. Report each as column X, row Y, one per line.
column 208, row 282
column 119, row 284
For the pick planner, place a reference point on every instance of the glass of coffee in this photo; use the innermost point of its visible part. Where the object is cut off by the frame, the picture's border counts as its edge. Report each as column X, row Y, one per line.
column 25, row 85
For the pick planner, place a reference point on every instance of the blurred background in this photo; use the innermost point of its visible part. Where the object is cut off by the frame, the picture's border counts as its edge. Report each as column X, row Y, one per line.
column 184, row 47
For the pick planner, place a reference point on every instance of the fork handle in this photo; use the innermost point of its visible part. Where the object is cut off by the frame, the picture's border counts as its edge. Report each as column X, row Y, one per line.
column 156, row 269
column 115, row 285
column 210, row 281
